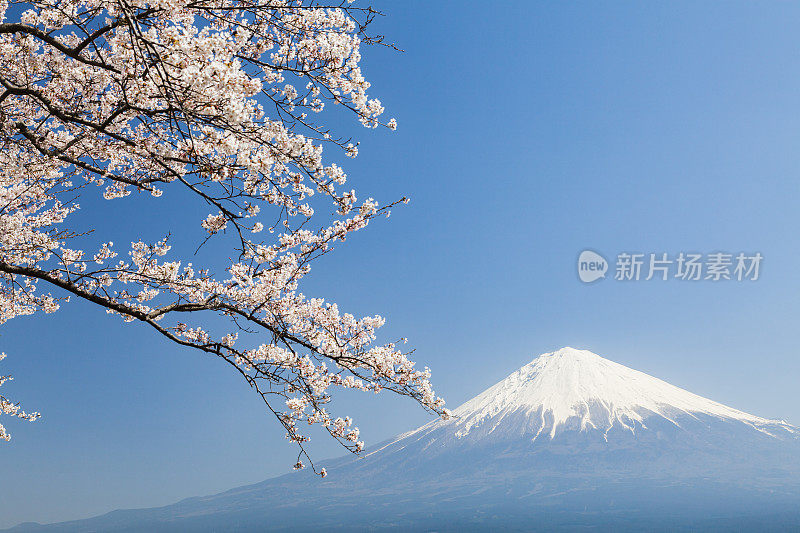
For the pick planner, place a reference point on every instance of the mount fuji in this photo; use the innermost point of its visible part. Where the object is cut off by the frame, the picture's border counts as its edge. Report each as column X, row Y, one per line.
column 569, row 441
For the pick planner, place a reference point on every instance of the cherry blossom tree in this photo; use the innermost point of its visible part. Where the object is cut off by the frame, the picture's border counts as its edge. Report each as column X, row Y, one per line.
column 223, row 101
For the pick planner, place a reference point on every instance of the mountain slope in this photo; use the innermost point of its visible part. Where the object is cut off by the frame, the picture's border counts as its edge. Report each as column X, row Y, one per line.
column 577, row 394
column 569, row 387
column 568, row 441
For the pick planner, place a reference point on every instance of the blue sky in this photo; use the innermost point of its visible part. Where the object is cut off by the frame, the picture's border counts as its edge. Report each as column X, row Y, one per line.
column 527, row 133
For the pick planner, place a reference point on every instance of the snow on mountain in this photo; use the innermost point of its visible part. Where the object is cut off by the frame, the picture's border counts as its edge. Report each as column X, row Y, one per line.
column 574, row 400
column 572, row 387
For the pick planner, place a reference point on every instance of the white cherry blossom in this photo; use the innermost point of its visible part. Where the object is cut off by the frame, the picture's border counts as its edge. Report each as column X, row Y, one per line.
column 222, row 102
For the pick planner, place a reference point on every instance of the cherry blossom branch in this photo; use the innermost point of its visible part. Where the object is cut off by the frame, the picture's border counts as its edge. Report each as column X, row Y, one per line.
column 214, row 99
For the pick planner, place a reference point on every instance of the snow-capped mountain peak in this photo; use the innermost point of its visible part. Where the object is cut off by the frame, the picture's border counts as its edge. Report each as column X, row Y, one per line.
column 577, row 390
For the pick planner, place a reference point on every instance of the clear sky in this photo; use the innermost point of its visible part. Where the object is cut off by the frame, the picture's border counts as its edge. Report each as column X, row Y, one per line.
column 527, row 133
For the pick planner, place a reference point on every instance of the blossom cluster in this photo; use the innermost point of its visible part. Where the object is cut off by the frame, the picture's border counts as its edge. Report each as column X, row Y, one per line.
column 221, row 102
column 7, row 407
